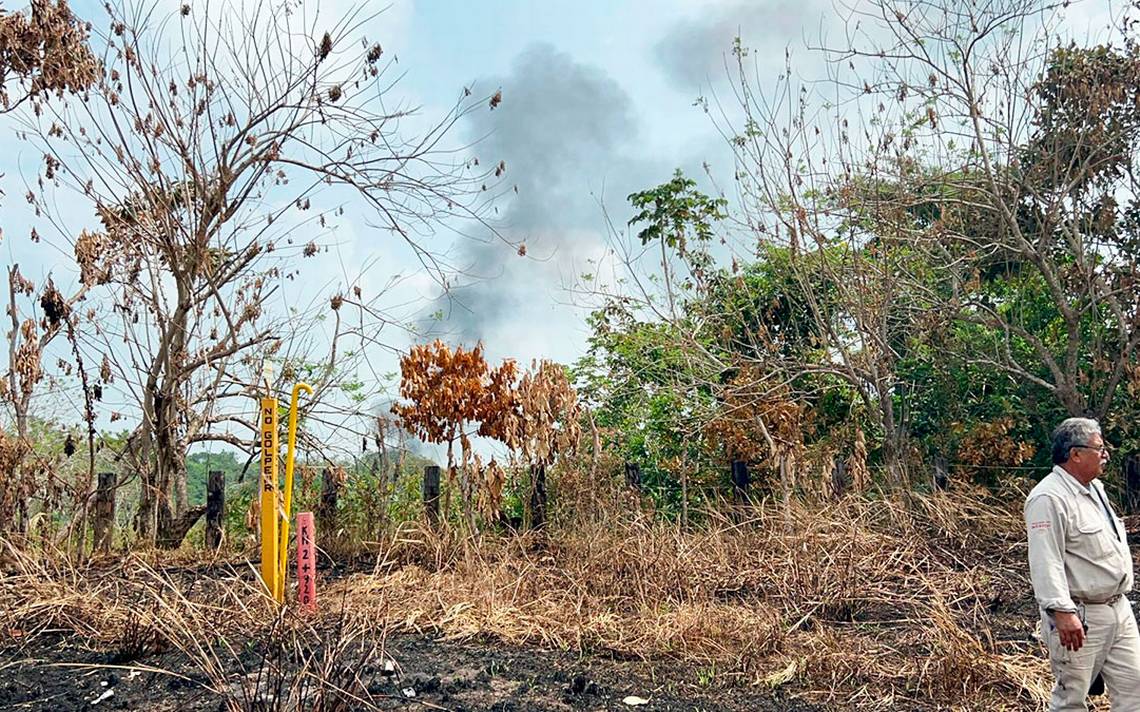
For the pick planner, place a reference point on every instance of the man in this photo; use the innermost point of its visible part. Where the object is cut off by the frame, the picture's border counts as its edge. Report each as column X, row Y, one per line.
column 1081, row 567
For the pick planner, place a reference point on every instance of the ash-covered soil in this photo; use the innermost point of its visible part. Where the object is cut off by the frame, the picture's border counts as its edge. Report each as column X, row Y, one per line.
column 413, row 672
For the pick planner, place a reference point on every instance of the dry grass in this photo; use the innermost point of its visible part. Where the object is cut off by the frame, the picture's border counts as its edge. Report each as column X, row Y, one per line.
column 215, row 619
column 865, row 603
column 105, row 601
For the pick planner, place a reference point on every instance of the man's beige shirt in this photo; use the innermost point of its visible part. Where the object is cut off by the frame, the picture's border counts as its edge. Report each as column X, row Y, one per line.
column 1074, row 555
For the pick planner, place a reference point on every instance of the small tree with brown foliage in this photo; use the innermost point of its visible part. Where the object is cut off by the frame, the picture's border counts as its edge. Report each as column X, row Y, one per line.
column 756, row 422
column 446, row 393
column 548, row 425
column 451, row 394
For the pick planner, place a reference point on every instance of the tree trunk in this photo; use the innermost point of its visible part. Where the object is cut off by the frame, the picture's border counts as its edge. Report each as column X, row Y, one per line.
column 181, row 497
column 15, row 488
column 633, row 475
column 838, row 479
column 941, row 473
column 175, row 529
column 893, row 438
column 163, row 465
column 215, row 509
column 326, row 510
column 146, row 517
column 450, row 475
column 537, row 496
column 740, row 481
column 896, row 470
column 401, row 454
column 1074, row 401
column 104, row 512
column 163, row 497
column 431, row 494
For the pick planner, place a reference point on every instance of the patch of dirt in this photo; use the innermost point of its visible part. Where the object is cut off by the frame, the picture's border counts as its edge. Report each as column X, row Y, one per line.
column 63, row 674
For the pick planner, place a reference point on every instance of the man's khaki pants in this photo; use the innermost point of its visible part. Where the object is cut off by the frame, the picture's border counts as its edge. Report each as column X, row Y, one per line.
column 1112, row 648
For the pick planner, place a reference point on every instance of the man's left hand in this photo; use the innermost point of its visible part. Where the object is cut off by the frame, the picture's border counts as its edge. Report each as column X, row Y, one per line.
column 1070, row 629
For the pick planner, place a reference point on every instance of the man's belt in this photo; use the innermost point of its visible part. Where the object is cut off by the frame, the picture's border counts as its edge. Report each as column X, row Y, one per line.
column 1106, row 602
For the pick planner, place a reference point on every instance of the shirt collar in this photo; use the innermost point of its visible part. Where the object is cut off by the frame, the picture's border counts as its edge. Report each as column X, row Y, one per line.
column 1073, row 483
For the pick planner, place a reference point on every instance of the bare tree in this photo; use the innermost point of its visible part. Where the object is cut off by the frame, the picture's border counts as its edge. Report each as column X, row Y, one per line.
column 43, row 55
column 796, row 173
column 203, row 152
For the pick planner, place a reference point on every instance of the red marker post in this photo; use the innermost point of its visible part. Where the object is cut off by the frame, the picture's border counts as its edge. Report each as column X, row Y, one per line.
column 306, row 563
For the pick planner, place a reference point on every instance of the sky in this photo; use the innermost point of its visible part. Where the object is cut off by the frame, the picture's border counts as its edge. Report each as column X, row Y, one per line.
column 598, row 102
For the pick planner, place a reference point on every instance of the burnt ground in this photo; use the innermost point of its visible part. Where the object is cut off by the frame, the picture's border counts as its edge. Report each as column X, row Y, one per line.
column 61, row 673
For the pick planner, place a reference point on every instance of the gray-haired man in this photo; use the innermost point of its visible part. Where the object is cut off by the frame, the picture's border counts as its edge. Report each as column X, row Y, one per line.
column 1081, row 568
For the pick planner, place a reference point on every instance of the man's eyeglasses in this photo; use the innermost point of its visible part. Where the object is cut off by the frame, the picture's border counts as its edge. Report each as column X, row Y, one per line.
column 1104, row 450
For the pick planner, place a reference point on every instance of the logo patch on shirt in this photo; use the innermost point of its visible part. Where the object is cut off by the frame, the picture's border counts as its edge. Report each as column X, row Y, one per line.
column 1044, row 524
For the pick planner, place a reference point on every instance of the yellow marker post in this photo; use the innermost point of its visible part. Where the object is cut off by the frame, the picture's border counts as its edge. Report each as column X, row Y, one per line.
column 287, row 510
column 269, row 565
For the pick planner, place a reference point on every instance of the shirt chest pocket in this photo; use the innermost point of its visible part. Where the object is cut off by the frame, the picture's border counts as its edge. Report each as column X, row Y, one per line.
column 1090, row 534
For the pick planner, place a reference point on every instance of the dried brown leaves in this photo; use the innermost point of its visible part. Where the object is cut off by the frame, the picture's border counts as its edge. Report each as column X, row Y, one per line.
column 45, row 50
column 27, row 365
column 751, row 413
column 446, row 391
column 443, row 390
column 549, row 420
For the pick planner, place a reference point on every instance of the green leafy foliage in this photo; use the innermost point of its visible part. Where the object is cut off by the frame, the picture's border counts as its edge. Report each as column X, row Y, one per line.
column 676, row 212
